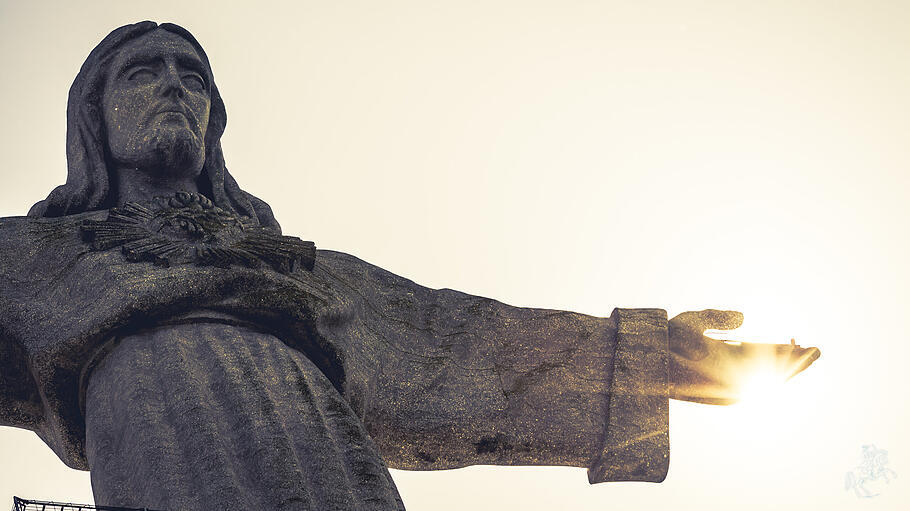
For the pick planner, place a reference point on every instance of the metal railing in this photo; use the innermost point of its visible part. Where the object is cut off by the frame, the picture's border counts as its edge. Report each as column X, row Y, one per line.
column 40, row 505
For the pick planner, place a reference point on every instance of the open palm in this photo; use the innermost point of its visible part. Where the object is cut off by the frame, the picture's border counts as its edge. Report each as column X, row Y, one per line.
column 712, row 371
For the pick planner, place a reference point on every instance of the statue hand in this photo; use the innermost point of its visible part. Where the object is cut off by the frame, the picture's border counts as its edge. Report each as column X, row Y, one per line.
column 712, row 371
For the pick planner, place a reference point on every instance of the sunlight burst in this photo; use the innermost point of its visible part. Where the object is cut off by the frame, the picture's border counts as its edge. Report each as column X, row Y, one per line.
column 763, row 387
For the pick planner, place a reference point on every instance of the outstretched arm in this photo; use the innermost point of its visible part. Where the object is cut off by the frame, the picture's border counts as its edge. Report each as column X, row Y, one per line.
column 449, row 379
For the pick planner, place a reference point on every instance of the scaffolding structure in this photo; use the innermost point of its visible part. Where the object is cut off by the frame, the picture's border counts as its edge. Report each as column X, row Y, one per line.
column 40, row 505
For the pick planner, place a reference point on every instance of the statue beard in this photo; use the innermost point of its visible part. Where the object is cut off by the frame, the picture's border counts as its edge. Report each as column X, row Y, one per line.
column 177, row 152
column 165, row 152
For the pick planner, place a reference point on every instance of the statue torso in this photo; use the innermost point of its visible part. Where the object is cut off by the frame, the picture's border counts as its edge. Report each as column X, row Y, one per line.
column 102, row 307
column 63, row 301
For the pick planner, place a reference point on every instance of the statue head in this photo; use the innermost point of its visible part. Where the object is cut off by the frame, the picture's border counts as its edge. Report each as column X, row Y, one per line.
column 114, row 120
column 155, row 107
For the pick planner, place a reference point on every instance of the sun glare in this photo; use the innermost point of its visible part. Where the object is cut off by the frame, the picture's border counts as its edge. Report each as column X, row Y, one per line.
column 764, row 387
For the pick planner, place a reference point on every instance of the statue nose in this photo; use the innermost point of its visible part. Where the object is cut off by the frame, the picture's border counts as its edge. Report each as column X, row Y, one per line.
column 171, row 84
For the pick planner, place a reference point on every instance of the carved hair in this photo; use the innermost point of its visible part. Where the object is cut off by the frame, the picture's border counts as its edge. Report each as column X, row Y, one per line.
column 88, row 179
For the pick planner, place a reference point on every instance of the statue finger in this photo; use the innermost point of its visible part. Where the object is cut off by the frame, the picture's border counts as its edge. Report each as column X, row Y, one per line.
column 714, row 319
column 721, row 320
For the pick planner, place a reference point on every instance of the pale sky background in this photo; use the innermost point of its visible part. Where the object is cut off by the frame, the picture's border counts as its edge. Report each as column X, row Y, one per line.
column 573, row 155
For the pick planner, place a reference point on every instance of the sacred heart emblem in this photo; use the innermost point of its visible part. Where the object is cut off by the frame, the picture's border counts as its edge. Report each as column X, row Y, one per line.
column 189, row 228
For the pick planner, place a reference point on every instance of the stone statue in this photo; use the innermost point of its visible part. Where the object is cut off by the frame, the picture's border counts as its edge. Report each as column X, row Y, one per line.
column 157, row 329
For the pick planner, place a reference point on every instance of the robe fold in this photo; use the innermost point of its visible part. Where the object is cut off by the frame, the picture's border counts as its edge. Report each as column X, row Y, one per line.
column 261, row 389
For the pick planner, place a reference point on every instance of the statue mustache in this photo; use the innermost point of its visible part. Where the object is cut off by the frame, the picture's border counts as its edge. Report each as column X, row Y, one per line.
column 168, row 106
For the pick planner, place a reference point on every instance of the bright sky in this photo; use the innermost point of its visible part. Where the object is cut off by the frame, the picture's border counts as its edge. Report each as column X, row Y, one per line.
column 572, row 155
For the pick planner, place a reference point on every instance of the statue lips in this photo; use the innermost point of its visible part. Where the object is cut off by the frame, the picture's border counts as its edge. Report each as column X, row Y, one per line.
column 174, row 109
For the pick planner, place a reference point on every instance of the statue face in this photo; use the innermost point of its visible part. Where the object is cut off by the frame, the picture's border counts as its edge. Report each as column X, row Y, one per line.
column 156, row 106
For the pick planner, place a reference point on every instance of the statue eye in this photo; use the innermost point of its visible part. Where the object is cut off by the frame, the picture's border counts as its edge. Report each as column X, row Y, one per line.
column 194, row 82
column 141, row 75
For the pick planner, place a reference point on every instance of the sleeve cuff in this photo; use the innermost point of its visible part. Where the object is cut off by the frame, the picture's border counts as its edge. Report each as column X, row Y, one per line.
column 637, row 441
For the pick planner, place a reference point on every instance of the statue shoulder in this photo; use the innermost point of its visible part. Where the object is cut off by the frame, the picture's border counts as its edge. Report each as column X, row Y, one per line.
column 12, row 227
column 30, row 241
column 11, row 223
column 351, row 268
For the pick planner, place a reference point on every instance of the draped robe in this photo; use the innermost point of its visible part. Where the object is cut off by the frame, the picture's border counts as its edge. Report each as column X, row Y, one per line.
column 200, row 387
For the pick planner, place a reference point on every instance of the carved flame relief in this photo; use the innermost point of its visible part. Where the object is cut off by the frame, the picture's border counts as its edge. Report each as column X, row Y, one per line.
column 189, row 228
